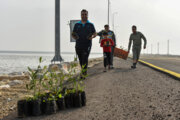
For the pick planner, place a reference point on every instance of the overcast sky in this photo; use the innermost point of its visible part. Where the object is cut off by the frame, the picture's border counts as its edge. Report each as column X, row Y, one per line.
column 28, row 25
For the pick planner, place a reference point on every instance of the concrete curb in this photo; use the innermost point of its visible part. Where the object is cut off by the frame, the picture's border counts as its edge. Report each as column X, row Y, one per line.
column 162, row 70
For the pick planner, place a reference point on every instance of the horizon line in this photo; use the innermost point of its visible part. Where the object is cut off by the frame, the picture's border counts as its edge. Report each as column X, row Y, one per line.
column 42, row 52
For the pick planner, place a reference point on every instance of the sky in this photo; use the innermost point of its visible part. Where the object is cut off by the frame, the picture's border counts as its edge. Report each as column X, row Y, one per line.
column 28, row 25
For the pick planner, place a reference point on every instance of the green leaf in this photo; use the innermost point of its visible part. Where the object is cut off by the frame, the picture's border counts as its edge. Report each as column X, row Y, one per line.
column 45, row 67
column 75, row 59
column 27, row 86
column 30, row 70
column 40, row 59
column 60, row 96
column 39, row 67
column 44, row 85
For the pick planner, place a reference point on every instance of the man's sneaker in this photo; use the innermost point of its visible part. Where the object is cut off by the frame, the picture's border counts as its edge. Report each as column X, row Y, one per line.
column 111, row 67
column 104, row 70
column 133, row 67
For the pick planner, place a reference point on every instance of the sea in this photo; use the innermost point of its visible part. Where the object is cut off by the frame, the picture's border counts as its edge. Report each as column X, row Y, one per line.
column 11, row 62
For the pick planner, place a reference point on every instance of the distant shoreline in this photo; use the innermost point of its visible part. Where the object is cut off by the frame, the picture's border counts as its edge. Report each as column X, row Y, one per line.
column 50, row 52
column 37, row 52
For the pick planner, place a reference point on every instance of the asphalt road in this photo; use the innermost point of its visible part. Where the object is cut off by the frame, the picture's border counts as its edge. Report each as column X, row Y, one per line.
column 168, row 62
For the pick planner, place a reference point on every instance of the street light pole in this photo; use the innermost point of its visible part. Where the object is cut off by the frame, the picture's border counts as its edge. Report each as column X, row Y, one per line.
column 168, row 47
column 151, row 49
column 57, row 57
column 158, row 48
column 108, row 10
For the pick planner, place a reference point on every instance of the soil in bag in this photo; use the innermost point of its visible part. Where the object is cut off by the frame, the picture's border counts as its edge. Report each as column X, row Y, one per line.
column 22, row 108
column 67, row 101
column 29, row 107
column 51, row 107
column 61, row 103
column 43, row 105
column 77, row 100
column 72, row 102
column 83, row 98
column 36, row 111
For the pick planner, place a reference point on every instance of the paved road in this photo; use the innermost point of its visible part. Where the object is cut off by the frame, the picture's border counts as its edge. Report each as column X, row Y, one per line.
column 167, row 62
column 125, row 94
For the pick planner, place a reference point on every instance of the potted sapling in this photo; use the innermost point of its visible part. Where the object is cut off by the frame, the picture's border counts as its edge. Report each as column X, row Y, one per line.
column 31, row 105
column 34, row 103
column 59, row 90
column 25, row 107
column 81, row 86
column 55, row 87
column 50, row 106
column 69, row 92
column 74, row 96
column 49, row 100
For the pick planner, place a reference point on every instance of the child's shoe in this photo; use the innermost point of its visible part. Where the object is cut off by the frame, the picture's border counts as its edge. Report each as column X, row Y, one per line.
column 104, row 70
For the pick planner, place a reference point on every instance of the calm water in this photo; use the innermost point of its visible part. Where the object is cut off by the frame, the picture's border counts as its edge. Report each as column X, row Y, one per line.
column 19, row 62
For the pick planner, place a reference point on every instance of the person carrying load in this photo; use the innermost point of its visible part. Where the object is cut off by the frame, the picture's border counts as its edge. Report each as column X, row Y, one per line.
column 136, row 38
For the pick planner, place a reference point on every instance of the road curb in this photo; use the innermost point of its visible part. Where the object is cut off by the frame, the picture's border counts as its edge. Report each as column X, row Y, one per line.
column 162, row 70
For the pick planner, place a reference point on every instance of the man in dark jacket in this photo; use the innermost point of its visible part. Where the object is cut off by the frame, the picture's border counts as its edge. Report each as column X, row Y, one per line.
column 112, row 36
column 83, row 33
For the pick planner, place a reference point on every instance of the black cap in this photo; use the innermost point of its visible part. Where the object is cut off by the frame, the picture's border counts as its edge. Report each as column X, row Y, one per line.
column 106, row 25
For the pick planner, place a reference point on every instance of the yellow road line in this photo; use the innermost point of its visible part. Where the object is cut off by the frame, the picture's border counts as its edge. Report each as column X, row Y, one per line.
column 152, row 58
column 174, row 74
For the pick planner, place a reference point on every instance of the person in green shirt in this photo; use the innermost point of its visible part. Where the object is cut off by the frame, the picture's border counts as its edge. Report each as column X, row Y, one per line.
column 136, row 37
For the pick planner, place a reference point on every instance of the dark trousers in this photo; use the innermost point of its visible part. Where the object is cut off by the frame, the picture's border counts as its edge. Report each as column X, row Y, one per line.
column 83, row 55
column 112, row 55
column 107, row 58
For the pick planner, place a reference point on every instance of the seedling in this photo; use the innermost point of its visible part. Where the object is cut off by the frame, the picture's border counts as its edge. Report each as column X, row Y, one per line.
column 35, row 82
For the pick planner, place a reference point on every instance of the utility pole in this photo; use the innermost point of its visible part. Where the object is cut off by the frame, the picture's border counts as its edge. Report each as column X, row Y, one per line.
column 168, row 47
column 151, row 48
column 108, row 10
column 57, row 57
column 158, row 48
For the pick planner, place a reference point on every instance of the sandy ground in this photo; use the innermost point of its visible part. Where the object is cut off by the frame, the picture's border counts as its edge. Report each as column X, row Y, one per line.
column 124, row 94
column 10, row 96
